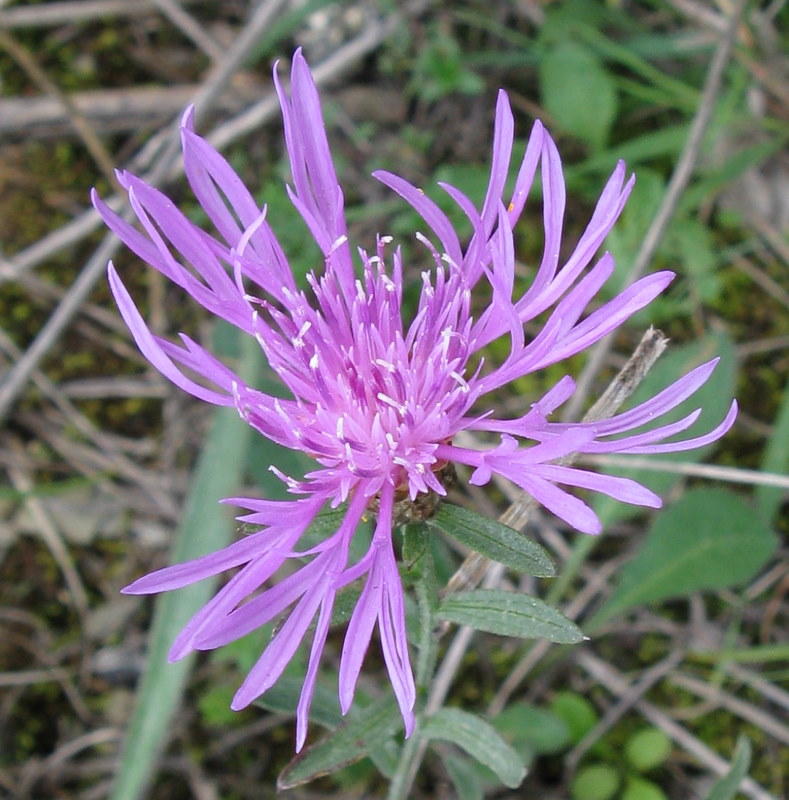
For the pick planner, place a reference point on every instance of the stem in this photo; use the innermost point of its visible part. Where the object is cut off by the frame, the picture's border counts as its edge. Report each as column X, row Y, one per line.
column 426, row 588
column 400, row 786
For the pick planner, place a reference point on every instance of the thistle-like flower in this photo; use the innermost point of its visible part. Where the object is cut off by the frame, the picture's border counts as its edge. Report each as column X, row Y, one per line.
column 374, row 400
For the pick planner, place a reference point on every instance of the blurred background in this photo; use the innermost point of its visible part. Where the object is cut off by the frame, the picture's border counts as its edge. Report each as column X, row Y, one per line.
column 105, row 464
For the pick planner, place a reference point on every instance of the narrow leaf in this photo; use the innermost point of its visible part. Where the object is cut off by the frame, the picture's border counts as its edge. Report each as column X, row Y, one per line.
column 479, row 739
column 509, row 614
column 709, row 539
column 345, row 745
column 726, row 788
column 494, row 540
column 775, row 459
column 535, row 730
column 206, row 525
column 468, row 785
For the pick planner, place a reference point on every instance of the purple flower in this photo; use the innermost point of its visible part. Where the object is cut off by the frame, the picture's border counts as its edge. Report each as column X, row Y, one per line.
column 374, row 401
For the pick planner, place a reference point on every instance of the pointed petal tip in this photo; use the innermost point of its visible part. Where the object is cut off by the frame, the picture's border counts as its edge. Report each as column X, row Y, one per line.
column 137, row 587
column 179, row 650
column 346, row 701
column 240, row 700
column 188, row 118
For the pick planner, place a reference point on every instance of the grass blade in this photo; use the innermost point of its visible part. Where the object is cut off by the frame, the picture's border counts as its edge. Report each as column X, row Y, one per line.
column 205, row 526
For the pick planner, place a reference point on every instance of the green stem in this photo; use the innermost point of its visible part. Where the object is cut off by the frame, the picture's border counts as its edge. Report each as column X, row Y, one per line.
column 400, row 786
column 417, row 538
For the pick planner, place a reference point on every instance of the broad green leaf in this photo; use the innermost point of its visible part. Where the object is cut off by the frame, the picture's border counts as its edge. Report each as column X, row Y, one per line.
column 595, row 782
column 468, row 784
column 776, row 459
column 583, row 108
column 494, row 540
column 709, row 539
column 640, row 789
column 509, row 614
column 345, row 745
column 726, row 788
column 206, row 525
column 479, row 739
column 577, row 712
column 539, row 730
column 647, row 749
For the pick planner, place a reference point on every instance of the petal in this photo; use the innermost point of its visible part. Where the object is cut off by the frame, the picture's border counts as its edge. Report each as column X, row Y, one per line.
column 623, row 489
column 308, row 689
column 151, row 348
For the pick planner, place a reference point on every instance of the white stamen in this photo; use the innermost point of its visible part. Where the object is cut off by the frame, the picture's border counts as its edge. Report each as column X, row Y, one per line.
column 389, row 367
column 250, row 231
column 338, row 243
column 384, row 398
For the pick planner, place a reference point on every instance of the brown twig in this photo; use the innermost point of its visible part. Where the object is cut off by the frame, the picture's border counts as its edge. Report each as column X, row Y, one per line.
column 71, row 12
column 92, row 143
column 618, row 685
column 652, row 344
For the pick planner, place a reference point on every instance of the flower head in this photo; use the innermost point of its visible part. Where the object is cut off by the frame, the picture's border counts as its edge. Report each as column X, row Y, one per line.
column 376, row 401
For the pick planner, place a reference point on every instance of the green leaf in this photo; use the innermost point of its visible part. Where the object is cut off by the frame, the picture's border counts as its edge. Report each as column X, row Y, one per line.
column 709, row 539
column 479, row 739
column 283, row 697
column 595, row 782
column 494, row 540
column 509, row 614
column 640, row 789
column 726, row 788
column 648, row 749
column 577, row 712
column 418, row 557
column 691, row 244
column 214, row 704
column 345, row 745
column 775, row 459
column 537, row 729
column 205, row 526
column 468, row 784
column 416, row 545
column 583, row 108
